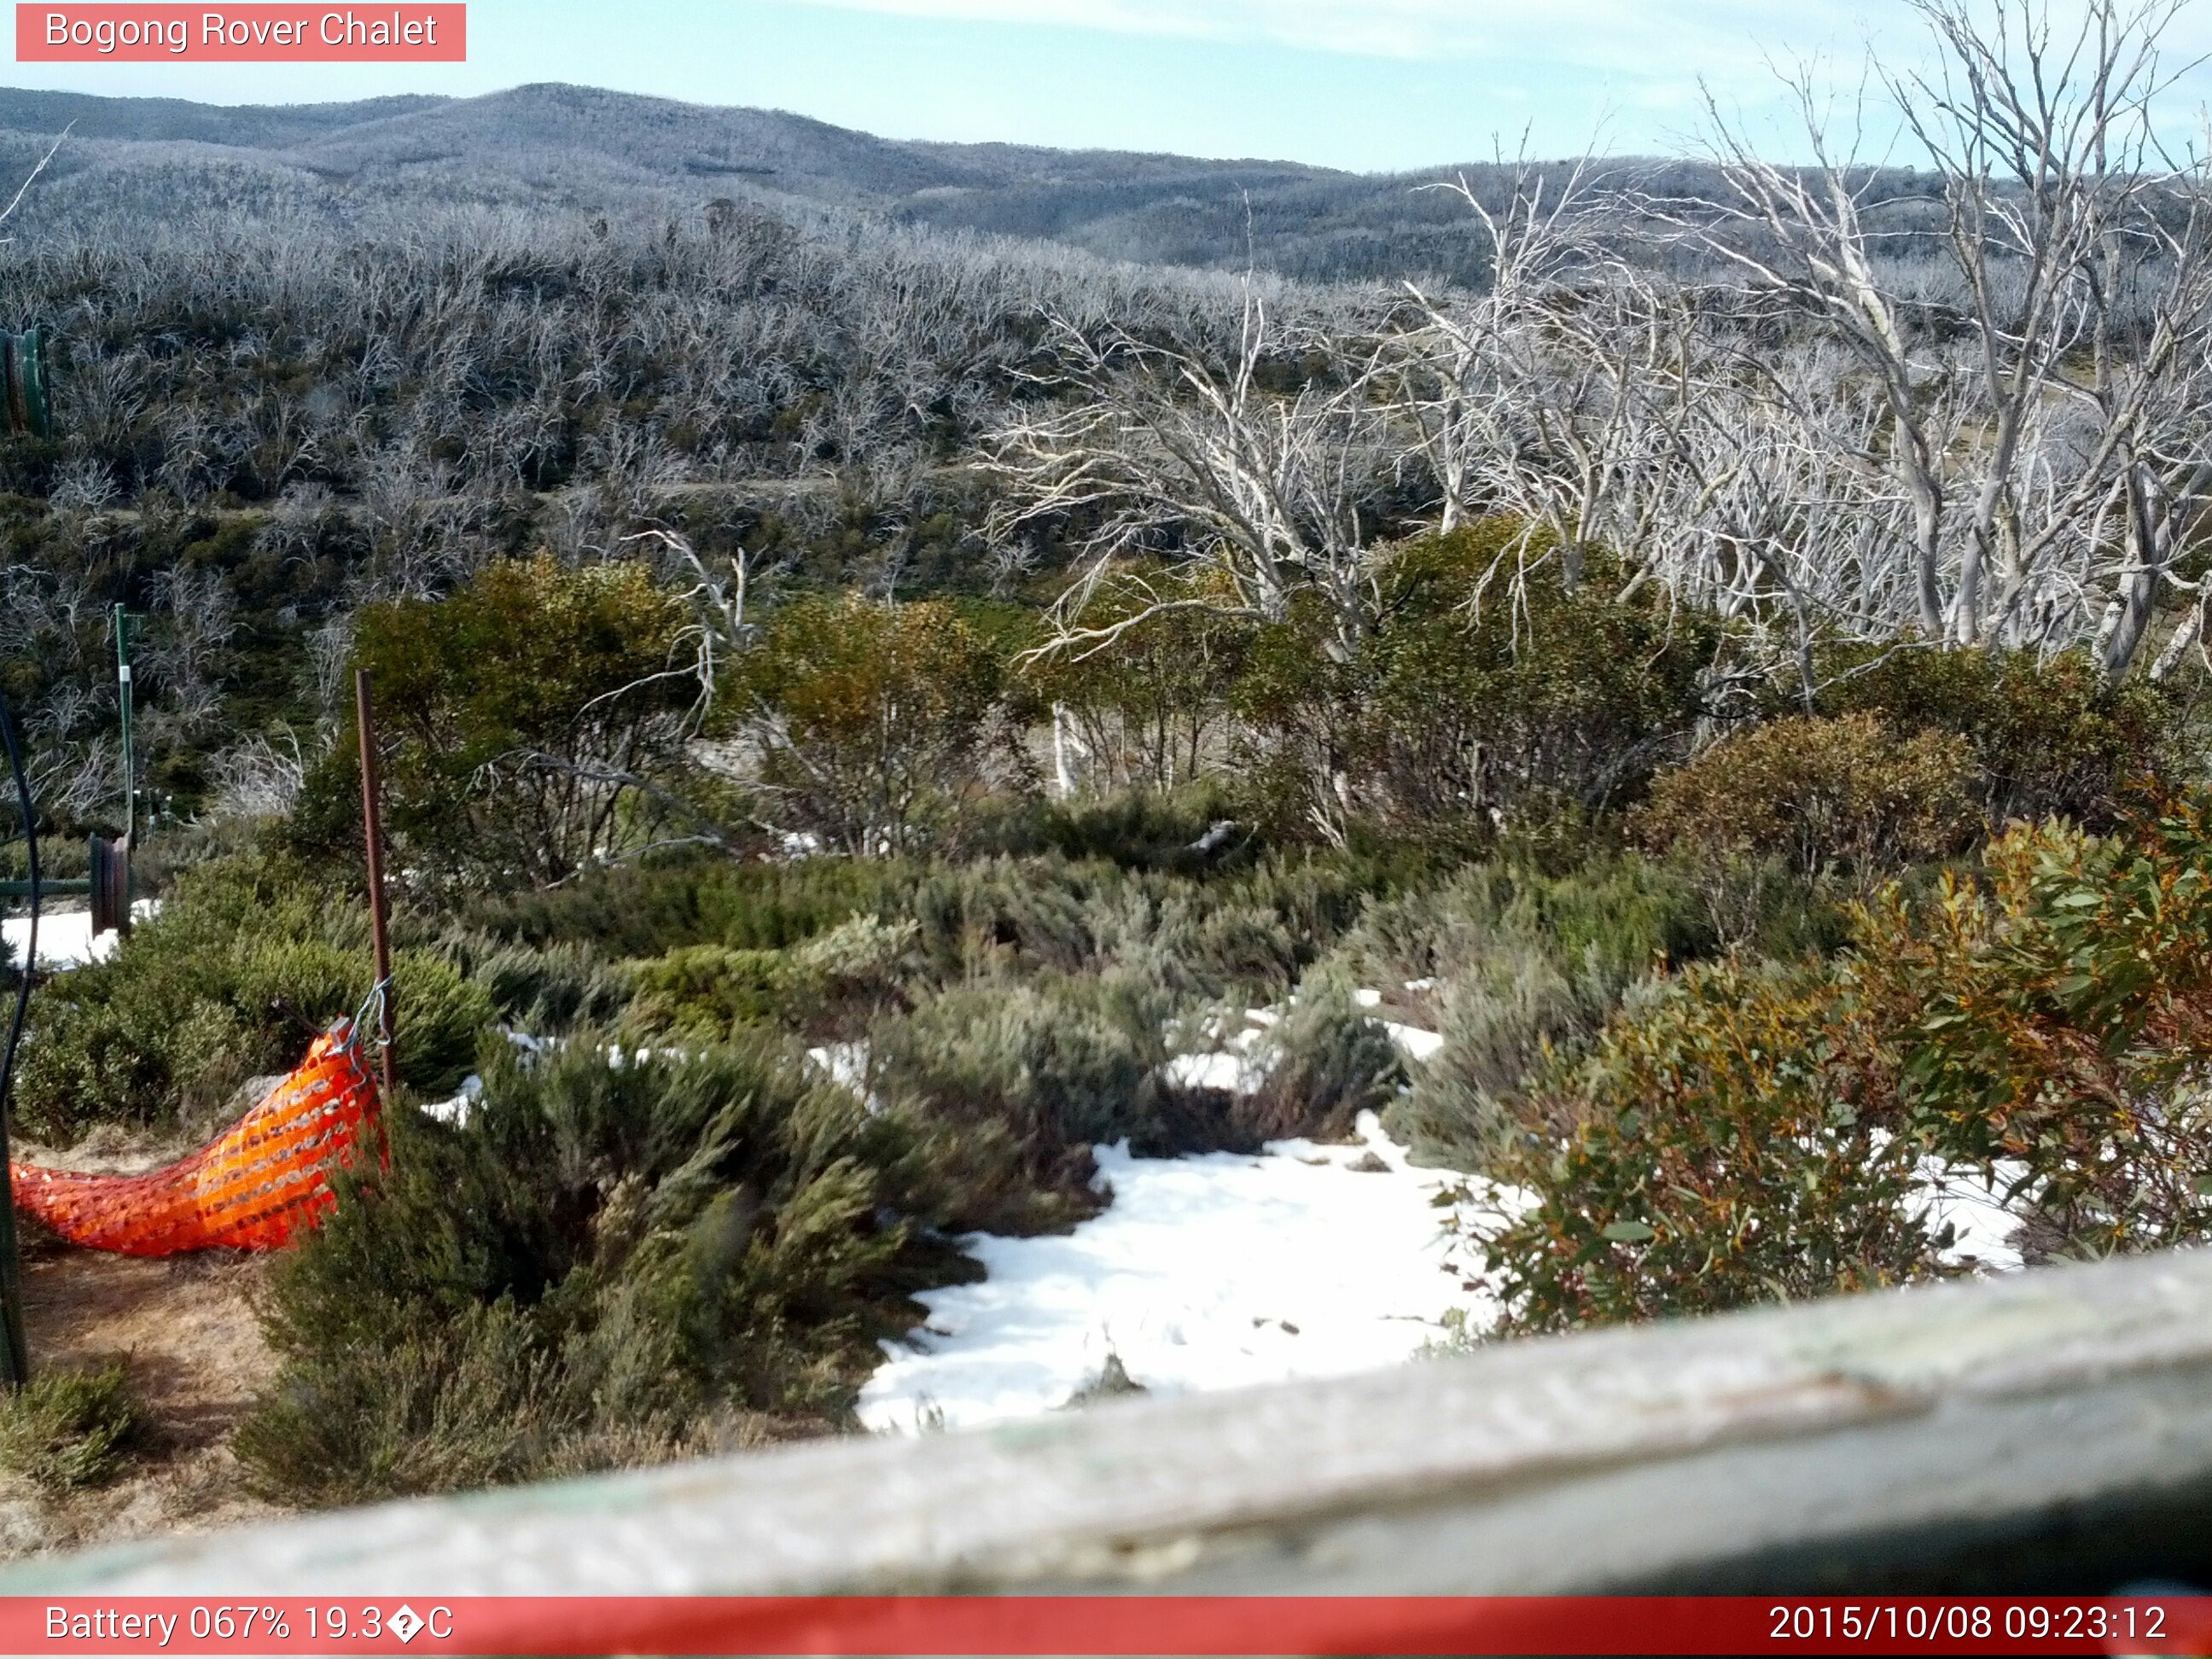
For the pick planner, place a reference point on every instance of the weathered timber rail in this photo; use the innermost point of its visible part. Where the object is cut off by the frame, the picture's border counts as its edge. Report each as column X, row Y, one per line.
column 2051, row 1431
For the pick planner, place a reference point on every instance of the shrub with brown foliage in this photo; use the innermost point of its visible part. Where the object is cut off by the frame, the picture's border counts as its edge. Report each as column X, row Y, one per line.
column 1819, row 794
column 1745, row 1133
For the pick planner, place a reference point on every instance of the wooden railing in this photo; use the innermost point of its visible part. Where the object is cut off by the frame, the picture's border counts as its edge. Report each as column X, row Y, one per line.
column 2052, row 1430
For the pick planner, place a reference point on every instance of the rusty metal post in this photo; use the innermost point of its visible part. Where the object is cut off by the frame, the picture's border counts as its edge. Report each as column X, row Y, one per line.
column 15, row 1347
column 373, row 831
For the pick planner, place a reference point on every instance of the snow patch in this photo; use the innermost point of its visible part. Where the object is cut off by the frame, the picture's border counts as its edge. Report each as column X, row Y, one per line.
column 1413, row 1041
column 1234, row 1074
column 456, row 1111
column 1211, row 1272
column 65, row 937
column 1973, row 1206
column 846, row 1064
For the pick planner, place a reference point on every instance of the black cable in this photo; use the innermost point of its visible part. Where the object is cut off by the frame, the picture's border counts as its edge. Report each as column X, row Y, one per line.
column 16, row 1355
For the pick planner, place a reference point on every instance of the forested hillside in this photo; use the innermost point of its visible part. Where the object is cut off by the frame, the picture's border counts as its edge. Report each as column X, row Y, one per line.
column 564, row 147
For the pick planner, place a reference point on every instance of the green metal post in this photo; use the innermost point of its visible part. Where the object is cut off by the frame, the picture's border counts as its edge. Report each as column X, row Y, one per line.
column 123, row 695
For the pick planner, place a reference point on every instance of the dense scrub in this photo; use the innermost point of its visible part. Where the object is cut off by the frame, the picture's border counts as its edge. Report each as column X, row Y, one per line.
column 671, row 854
column 1747, row 1130
column 248, row 958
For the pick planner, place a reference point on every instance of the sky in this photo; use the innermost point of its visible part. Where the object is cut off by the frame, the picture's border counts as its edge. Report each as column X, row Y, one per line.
column 1368, row 85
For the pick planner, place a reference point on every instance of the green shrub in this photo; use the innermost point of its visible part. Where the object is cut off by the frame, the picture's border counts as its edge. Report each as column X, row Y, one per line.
column 1621, row 914
column 655, row 905
column 2050, row 738
column 1014, row 1083
column 546, row 990
column 68, row 1430
column 1472, row 701
column 1527, row 966
column 1257, row 924
column 1145, row 711
column 1502, row 1017
column 871, row 717
column 2059, row 1016
column 247, row 958
column 610, row 1251
column 1731, row 1140
column 1744, row 1133
column 709, row 990
column 1133, row 829
column 1820, row 794
column 830, row 986
column 519, row 711
column 1324, row 1061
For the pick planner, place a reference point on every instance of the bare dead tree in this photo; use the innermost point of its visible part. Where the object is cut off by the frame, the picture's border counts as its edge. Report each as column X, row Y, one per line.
column 2042, row 419
column 1153, row 446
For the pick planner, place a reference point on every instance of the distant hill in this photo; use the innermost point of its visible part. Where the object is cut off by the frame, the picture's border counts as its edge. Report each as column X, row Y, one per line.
column 132, row 159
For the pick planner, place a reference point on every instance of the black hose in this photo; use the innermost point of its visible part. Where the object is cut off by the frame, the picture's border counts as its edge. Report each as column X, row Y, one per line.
column 14, row 1354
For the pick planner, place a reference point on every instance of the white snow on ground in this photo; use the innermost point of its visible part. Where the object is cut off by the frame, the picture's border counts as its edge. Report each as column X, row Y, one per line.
column 1203, row 1273
column 1417, row 1044
column 846, row 1064
column 65, row 937
column 456, row 1111
column 1970, row 1203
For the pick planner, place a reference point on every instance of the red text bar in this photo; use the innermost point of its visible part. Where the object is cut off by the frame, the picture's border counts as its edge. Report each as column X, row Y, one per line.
column 130, row 33
column 1105, row 1625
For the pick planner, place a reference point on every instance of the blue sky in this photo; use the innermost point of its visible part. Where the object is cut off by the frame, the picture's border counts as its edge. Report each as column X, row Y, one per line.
column 1366, row 84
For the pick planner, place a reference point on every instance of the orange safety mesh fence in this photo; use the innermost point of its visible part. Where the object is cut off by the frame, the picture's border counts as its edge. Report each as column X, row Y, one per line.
column 250, row 1188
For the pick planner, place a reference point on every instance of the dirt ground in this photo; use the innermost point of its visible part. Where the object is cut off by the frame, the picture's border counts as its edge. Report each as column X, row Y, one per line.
column 184, row 1330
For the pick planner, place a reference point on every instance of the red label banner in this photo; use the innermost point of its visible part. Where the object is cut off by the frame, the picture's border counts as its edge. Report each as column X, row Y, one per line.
column 260, row 33
column 1105, row 1625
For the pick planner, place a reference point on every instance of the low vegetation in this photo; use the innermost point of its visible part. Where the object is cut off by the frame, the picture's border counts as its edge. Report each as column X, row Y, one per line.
column 1706, row 1004
column 68, row 1430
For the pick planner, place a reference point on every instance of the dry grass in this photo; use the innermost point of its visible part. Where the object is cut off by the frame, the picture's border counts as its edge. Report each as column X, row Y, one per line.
column 184, row 1330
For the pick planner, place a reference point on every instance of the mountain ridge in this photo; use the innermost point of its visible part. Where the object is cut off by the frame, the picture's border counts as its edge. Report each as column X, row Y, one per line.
column 552, row 143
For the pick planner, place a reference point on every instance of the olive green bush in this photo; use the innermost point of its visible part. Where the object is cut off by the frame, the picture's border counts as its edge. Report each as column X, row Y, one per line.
column 247, row 959
column 829, row 986
column 1471, row 703
column 650, row 905
column 1746, row 1132
column 66, row 1430
column 2056, row 1016
column 1322, row 1063
column 534, row 721
column 1016, row 1081
column 2049, row 737
column 1145, row 712
column 871, row 718
column 1731, row 1138
column 1524, row 965
column 614, row 1248
column 1821, row 794
column 542, row 990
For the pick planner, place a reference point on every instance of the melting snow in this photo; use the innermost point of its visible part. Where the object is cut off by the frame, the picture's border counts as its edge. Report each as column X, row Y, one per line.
column 65, row 937
column 846, row 1064
column 1970, row 1203
column 1417, row 1044
column 1210, row 1272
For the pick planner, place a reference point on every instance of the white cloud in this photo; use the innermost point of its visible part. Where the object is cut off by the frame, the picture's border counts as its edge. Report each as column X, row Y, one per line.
column 1661, row 35
column 1613, row 74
